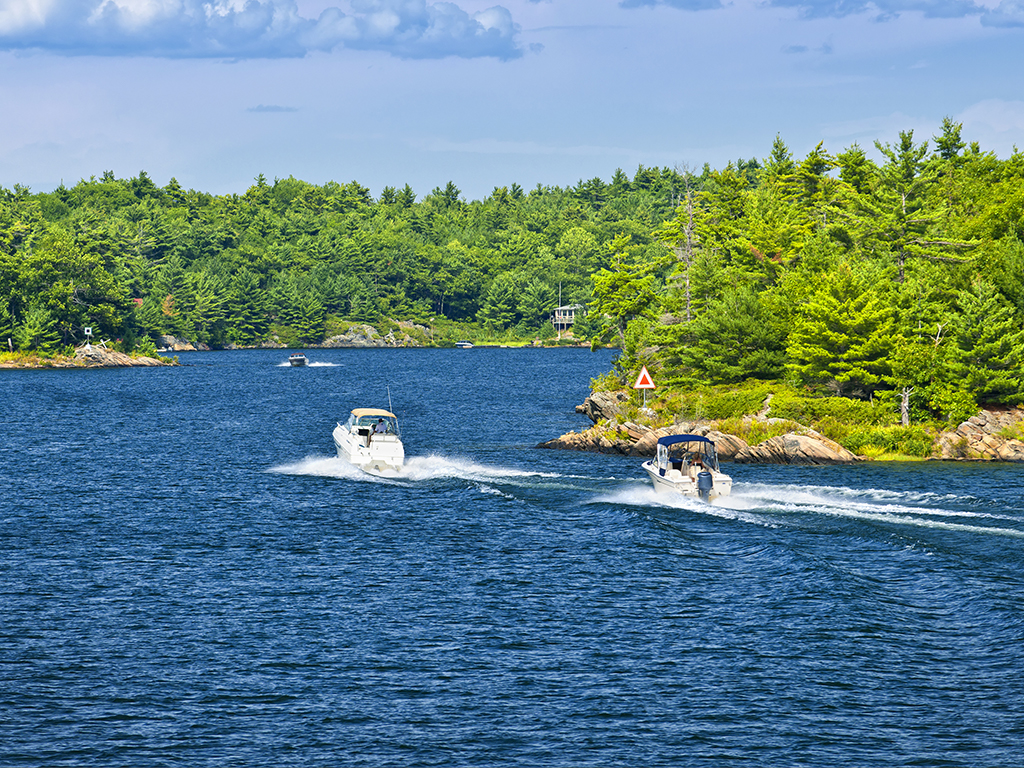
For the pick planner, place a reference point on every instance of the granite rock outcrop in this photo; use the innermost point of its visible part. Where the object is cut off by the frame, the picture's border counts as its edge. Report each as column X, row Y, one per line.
column 609, row 435
column 989, row 435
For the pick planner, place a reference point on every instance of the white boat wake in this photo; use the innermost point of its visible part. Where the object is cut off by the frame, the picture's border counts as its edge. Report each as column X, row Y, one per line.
column 417, row 469
column 779, row 505
column 643, row 495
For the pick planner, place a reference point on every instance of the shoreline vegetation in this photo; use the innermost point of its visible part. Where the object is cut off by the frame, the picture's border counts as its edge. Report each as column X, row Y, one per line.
column 770, row 422
column 86, row 356
column 878, row 302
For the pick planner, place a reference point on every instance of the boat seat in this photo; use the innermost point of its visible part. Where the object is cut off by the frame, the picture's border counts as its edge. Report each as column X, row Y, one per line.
column 673, row 474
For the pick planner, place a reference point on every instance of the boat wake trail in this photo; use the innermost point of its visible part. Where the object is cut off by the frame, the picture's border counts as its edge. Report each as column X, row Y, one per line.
column 323, row 466
column 925, row 510
column 421, row 469
column 645, row 496
column 787, row 505
column 287, row 364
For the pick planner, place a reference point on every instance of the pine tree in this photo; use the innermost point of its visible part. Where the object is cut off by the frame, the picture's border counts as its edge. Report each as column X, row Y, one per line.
column 537, row 302
column 735, row 339
column 990, row 343
column 622, row 294
column 246, row 308
column 310, row 325
column 500, row 304
column 6, row 325
column 38, row 330
column 201, row 304
column 843, row 335
column 898, row 214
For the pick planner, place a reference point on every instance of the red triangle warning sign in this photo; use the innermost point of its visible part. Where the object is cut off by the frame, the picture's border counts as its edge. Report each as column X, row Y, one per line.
column 644, row 380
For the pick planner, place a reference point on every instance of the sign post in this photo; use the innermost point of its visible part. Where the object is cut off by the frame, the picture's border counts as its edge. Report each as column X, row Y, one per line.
column 644, row 382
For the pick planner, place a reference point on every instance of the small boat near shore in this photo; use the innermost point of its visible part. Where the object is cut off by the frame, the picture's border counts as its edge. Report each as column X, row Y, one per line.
column 463, row 345
column 690, row 468
column 370, row 440
column 297, row 359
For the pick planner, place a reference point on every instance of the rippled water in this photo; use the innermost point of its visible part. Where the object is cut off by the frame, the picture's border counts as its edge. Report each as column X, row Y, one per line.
column 190, row 577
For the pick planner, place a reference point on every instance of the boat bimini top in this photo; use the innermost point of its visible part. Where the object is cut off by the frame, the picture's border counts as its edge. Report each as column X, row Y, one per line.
column 695, row 447
column 376, row 413
column 368, row 417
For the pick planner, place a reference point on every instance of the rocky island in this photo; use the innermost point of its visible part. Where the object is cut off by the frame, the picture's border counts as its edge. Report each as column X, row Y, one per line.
column 88, row 356
column 989, row 435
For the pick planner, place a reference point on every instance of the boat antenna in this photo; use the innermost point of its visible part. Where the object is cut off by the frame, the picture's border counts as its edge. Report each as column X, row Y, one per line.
column 391, row 408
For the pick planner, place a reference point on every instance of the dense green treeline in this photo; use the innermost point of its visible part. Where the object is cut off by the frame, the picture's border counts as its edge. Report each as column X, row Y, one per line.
column 899, row 282
column 134, row 260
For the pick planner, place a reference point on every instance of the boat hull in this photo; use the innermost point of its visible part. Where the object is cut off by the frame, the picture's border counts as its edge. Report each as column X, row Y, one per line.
column 674, row 481
column 371, row 453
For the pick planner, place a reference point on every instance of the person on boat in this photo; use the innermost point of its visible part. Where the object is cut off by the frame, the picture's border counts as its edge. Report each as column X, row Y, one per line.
column 377, row 429
column 696, row 467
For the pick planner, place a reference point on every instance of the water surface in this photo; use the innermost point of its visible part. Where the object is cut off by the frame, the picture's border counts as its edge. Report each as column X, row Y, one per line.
column 192, row 578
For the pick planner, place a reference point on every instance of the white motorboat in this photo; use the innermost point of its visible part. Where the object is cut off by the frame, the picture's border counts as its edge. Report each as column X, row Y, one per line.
column 463, row 344
column 370, row 440
column 297, row 359
column 689, row 468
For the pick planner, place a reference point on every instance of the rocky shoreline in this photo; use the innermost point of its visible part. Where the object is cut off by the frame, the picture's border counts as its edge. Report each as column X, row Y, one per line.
column 983, row 437
column 91, row 356
column 358, row 336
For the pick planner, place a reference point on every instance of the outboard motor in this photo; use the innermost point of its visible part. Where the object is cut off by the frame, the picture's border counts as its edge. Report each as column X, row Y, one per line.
column 704, row 485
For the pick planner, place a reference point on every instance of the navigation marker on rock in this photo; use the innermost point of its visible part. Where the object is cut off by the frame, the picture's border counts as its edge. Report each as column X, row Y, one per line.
column 644, row 382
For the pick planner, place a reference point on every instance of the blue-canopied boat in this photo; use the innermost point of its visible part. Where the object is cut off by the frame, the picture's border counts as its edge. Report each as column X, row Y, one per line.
column 688, row 465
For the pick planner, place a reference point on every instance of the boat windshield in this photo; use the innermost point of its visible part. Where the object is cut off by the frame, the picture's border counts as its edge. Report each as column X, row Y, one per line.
column 688, row 452
column 369, row 419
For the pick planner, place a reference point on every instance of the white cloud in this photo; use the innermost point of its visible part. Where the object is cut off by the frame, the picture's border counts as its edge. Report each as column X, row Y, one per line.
column 881, row 9
column 254, row 28
column 17, row 15
column 684, row 5
column 136, row 13
column 417, row 30
column 1009, row 13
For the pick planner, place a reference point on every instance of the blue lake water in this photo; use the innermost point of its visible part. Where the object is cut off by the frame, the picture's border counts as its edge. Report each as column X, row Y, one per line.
column 191, row 578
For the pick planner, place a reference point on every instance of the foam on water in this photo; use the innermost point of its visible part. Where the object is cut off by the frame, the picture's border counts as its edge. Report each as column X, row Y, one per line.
column 323, row 466
column 638, row 495
column 771, row 505
column 417, row 469
column 287, row 364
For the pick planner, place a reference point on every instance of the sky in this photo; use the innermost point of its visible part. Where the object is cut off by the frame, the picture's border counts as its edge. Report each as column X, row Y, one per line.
column 550, row 92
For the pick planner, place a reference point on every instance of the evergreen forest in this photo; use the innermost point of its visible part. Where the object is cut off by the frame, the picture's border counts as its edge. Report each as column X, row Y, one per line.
column 899, row 280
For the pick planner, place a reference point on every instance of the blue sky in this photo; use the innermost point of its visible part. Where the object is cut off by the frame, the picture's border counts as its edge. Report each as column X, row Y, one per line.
column 389, row 92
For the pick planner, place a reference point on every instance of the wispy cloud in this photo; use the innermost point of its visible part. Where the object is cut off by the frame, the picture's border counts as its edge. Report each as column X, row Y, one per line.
column 271, row 108
column 1009, row 13
column 242, row 29
column 684, row 5
column 882, row 9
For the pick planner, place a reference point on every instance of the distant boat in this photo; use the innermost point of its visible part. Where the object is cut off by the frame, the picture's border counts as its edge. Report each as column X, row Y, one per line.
column 370, row 440
column 297, row 359
column 464, row 344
